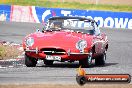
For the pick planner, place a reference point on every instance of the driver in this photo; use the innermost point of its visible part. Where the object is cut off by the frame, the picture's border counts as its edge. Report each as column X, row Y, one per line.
column 56, row 25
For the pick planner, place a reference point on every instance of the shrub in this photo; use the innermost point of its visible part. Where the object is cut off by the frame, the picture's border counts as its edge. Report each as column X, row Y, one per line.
column 8, row 52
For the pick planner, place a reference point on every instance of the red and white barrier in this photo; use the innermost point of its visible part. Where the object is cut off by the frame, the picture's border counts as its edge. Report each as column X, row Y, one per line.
column 21, row 14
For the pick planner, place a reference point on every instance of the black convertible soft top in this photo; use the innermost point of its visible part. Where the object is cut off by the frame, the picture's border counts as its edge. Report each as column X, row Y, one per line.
column 72, row 17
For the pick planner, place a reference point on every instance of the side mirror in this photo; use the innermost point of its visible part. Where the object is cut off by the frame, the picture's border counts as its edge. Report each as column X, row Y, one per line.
column 44, row 25
column 37, row 30
column 43, row 30
column 97, row 24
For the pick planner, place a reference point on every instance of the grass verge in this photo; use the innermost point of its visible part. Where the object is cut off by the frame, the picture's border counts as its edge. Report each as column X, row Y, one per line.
column 8, row 52
column 69, row 5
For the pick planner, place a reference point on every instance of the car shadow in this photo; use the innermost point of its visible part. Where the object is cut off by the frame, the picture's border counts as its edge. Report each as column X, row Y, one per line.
column 63, row 65
column 76, row 65
column 106, row 65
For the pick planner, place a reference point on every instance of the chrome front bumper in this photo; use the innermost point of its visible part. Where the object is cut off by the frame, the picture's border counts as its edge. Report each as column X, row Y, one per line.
column 68, row 53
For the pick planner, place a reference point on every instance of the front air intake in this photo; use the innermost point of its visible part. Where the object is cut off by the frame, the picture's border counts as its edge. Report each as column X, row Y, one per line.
column 53, row 51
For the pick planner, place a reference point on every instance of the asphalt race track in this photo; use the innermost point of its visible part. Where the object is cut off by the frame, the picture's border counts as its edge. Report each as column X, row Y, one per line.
column 119, row 58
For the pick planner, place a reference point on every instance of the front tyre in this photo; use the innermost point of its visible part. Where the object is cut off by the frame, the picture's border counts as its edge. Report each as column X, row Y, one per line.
column 101, row 60
column 30, row 62
column 87, row 62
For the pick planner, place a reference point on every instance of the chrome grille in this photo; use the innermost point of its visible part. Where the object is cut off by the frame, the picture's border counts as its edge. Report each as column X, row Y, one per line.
column 53, row 51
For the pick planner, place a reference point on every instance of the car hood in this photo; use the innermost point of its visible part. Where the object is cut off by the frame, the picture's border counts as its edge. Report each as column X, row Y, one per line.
column 58, row 39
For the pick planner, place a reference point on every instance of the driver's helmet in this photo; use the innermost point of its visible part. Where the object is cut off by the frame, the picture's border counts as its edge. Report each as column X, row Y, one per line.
column 56, row 25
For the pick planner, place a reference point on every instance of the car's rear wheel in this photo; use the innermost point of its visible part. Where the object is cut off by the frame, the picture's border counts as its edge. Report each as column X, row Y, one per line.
column 48, row 62
column 101, row 60
column 87, row 62
column 30, row 62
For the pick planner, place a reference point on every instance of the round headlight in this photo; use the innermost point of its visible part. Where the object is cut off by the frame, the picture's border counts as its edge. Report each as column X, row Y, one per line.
column 81, row 44
column 29, row 41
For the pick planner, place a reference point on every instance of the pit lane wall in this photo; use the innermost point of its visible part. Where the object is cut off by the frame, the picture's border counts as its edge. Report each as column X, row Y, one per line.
column 40, row 15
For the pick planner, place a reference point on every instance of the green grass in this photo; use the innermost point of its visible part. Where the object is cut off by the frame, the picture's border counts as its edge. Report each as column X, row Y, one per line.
column 7, row 52
column 69, row 5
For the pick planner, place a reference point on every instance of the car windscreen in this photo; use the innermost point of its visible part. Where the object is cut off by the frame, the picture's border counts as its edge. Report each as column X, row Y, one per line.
column 71, row 24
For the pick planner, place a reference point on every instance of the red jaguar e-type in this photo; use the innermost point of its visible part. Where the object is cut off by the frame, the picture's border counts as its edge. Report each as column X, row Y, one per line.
column 66, row 39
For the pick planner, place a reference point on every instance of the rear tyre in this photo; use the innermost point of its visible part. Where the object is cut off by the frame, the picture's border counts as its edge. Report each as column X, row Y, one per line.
column 30, row 62
column 87, row 62
column 101, row 60
column 48, row 62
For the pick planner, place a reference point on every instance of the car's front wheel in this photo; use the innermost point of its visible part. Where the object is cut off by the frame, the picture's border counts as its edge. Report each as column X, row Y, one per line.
column 48, row 62
column 30, row 62
column 87, row 62
column 101, row 60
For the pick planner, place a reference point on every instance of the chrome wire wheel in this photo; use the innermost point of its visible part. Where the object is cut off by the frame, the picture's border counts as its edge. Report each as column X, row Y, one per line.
column 87, row 62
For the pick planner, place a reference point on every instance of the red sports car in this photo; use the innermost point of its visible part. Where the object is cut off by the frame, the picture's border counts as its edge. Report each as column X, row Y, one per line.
column 66, row 39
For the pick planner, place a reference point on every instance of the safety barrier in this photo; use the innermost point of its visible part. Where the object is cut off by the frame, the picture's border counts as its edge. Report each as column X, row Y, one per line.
column 40, row 15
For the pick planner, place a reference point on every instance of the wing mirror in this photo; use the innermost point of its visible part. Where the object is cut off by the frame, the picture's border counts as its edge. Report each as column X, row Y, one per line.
column 37, row 30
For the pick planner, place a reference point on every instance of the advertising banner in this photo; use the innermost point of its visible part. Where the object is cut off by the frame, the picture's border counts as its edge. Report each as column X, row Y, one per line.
column 40, row 15
column 21, row 13
column 5, row 12
column 104, row 18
